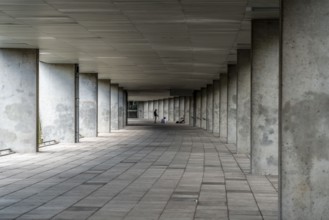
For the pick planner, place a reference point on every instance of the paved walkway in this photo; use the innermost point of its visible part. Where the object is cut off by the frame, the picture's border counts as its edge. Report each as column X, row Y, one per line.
column 141, row 173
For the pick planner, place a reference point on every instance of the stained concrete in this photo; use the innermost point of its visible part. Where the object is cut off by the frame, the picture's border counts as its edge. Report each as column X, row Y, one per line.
column 114, row 107
column 151, row 110
column 140, row 110
column 192, row 110
column 187, row 109
column 176, row 109
column 146, row 110
column 223, row 107
column 18, row 95
column 198, row 109
column 121, row 108
column 232, row 103
column 57, row 98
column 171, row 115
column 204, row 108
column 210, row 108
column 265, row 96
column 244, row 101
column 304, row 115
column 88, row 83
column 104, row 106
column 216, row 119
column 166, row 108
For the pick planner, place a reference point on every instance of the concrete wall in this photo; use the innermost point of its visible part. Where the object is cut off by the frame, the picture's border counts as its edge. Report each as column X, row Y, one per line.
column 244, row 102
column 176, row 109
column 166, row 108
column 57, row 102
column 204, row 108
column 146, row 110
column 265, row 96
column 88, row 104
column 140, row 110
column 232, row 103
column 216, row 91
column 121, row 108
column 18, row 105
column 114, row 107
column 104, row 106
column 171, row 115
column 187, row 109
column 160, row 110
column 198, row 116
column 223, row 107
column 210, row 108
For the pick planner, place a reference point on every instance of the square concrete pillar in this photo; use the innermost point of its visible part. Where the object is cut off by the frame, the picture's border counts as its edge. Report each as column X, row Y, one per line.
column 210, row 108
column 146, row 110
column 160, row 110
column 104, row 106
column 156, row 105
column 151, row 110
column 192, row 110
column 121, row 108
column 181, row 107
column 114, row 107
column 244, row 102
column 57, row 98
column 176, row 109
column 125, row 106
column 204, row 108
column 265, row 97
column 304, row 146
column 88, row 83
column 171, row 115
column 166, row 108
column 140, row 110
column 216, row 100
column 223, row 108
column 231, row 101
column 187, row 109
column 198, row 117
column 19, row 100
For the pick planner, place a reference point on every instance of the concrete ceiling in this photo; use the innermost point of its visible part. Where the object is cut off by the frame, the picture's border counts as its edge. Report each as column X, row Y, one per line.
column 140, row 44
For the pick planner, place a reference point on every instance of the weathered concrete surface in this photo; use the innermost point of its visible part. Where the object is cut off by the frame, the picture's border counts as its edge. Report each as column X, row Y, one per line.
column 18, row 99
column 204, row 108
column 210, row 108
column 244, row 102
column 114, row 107
column 160, row 110
column 216, row 101
column 57, row 102
column 104, row 106
column 121, row 108
column 223, row 107
column 198, row 109
column 140, row 109
column 181, row 107
column 305, row 110
column 156, row 105
column 88, row 104
column 151, row 110
column 192, row 111
column 171, row 115
column 125, row 97
column 187, row 109
column 176, row 109
column 265, row 97
column 232, row 103
column 146, row 110
column 166, row 108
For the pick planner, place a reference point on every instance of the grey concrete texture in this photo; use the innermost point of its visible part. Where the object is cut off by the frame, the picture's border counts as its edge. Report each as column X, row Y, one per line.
column 176, row 109
column 114, row 107
column 146, row 110
column 171, row 115
column 104, row 106
column 156, row 105
column 166, row 108
column 223, row 107
column 265, row 97
column 160, row 110
column 204, row 108
column 57, row 102
column 244, row 102
column 88, row 83
column 232, row 103
column 198, row 109
column 210, row 108
column 304, row 114
column 216, row 100
column 125, row 98
column 121, row 108
column 181, row 107
column 187, row 109
column 140, row 109
column 192, row 111
column 18, row 105
column 151, row 110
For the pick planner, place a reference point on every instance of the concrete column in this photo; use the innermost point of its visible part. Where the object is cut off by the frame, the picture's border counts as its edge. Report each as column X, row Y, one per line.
column 114, row 107
column 140, row 110
column 187, row 109
column 160, row 110
column 198, row 117
column 146, row 110
column 57, row 98
column 216, row 91
column 104, row 106
column 204, row 108
column 304, row 113
column 121, row 108
column 176, row 109
column 231, row 103
column 223, row 107
column 166, row 108
column 88, row 83
column 192, row 111
column 265, row 96
column 151, row 109
column 125, row 112
column 19, row 100
column 156, row 105
column 210, row 108
column 181, row 107
column 243, row 102
column 171, row 115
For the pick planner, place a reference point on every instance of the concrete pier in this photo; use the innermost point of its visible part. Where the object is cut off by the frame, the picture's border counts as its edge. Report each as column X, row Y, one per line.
column 166, row 108
column 223, row 107
column 204, row 108
column 187, row 109
column 198, row 116
column 121, row 108
column 176, row 109
column 160, row 110
column 171, row 115
column 146, row 110
column 104, row 106
column 232, row 101
column 114, row 107
column 210, row 108
column 151, row 110
column 192, row 111
column 216, row 91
